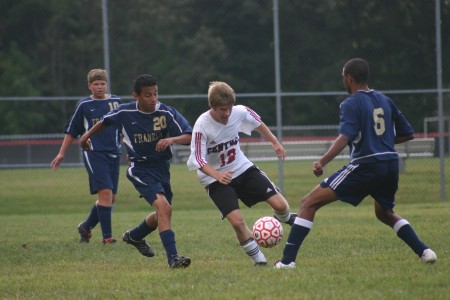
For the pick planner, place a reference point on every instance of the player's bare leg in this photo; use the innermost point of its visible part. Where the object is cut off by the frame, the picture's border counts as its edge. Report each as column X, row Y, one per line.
column 105, row 197
column 316, row 199
column 239, row 226
column 245, row 237
column 281, row 209
column 405, row 232
column 310, row 204
column 152, row 220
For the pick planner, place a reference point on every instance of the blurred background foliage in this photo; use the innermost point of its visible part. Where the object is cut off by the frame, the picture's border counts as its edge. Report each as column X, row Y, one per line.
column 47, row 48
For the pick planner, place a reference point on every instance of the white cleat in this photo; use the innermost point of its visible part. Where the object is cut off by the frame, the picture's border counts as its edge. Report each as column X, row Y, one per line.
column 280, row 265
column 428, row 256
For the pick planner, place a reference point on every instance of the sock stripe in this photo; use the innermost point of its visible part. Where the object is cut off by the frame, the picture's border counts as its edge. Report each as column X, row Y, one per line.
column 399, row 224
column 303, row 222
column 253, row 251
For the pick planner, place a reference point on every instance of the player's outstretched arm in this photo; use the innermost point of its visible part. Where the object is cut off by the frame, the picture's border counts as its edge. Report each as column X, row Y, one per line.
column 339, row 144
column 402, row 139
column 277, row 147
column 184, row 139
column 222, row 177
column 56, row 162
column 85, row 142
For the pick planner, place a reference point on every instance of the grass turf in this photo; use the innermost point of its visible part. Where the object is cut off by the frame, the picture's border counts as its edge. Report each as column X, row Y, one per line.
column 347, row 255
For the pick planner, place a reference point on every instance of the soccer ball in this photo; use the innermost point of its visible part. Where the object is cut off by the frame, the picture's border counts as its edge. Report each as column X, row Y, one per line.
column 267, row 232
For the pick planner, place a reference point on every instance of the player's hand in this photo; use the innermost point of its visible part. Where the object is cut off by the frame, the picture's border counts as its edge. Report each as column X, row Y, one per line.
column 317, row 168
column 163, row 144
column 225, row 178
column 56, row 162
column 85, row 143
column 279, row 151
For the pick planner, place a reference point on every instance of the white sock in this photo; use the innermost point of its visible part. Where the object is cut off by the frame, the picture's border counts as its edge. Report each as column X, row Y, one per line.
column 252, row 249
column 303, row 222
column 283, row 217
column 399, row 224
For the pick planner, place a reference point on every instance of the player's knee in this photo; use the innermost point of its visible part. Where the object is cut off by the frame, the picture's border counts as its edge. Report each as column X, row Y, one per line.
column 163, row 209
column 305, row 202
column 236, row 220
column 278, row 203
column 385, row 216
column 167, row 210
column 308, row 203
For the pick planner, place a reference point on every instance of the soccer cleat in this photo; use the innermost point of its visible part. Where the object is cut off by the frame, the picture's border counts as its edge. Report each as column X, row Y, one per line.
column 179, row 262
column 428, row 256
column 109, row 241
column 280, row 265
column 260, row 264
column 290, row 221
column 85, row 235
column 140, row 245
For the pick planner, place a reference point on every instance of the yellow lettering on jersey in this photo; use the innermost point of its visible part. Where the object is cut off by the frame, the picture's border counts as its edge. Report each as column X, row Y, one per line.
column 140, row 138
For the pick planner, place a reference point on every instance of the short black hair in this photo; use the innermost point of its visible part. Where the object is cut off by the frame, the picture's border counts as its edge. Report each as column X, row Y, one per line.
column 142, row 81
column 358, row 69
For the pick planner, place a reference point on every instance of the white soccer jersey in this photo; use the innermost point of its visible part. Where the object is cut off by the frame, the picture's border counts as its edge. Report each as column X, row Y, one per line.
column 218, row 144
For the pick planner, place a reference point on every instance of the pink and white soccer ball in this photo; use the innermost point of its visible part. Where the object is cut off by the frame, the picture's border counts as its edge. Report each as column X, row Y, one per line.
column 267, row 232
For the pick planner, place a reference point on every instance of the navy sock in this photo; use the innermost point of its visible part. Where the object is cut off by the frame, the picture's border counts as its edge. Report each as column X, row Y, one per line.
column 299, row 231
column 168, row 241
column 141, row 231
column 407, row 234
column 104, row 216
column 92, row 219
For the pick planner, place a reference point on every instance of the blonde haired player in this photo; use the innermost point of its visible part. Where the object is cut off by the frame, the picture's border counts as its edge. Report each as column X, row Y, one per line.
column 225, row 172
column 103, row 162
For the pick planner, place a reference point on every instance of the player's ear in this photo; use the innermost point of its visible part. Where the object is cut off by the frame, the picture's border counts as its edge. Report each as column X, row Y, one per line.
column 348, row 78
column 135, row 95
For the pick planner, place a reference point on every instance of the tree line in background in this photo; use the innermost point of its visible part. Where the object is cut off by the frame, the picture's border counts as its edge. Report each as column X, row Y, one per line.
column 47, row 48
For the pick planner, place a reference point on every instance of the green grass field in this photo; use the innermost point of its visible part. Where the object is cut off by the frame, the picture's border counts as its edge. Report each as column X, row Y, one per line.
column 348, row 254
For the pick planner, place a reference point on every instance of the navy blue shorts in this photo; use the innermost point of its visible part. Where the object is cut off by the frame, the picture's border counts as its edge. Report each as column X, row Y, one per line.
column 103, row 169
column 252, row 186
column 354, row 182
column 150, row 179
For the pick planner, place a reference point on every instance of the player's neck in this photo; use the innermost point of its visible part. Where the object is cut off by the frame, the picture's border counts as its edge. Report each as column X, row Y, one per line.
column 144, row 109
column 216, row 118
column 105, row 96
column 360, row 87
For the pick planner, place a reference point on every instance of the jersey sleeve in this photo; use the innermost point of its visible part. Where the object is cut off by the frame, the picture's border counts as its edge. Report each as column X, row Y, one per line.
column 75, row 125
column 179, row 125
column 197, row 158
column 348, row 120
column 251, row 120
column 402, row 126
column 109, row 119
column 113, row 117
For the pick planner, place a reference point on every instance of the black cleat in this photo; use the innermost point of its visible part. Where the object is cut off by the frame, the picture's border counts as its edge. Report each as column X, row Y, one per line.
column 290, row 221
column 85, row 235
column 179, row 262
column 261, row 264
column 140, row 245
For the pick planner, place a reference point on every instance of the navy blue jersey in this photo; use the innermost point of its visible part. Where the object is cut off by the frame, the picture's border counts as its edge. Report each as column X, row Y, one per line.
column 142, row 131
column 87, row 113
column 371, row 120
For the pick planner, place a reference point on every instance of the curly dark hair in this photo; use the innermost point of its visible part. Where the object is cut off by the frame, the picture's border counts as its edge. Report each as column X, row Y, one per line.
column 358, row 68
column 142, row 81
